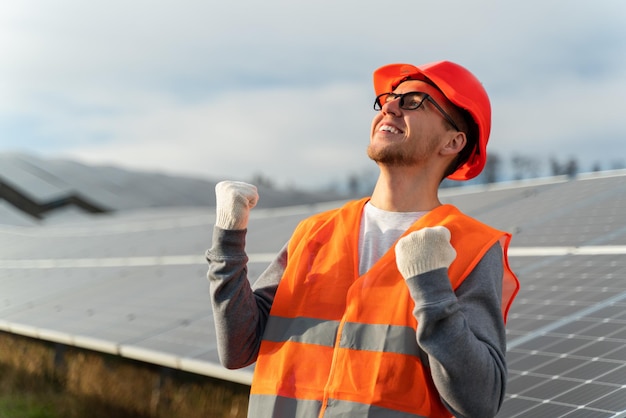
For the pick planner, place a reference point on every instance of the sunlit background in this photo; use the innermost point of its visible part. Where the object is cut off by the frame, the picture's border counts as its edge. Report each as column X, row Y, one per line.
column 281, row 89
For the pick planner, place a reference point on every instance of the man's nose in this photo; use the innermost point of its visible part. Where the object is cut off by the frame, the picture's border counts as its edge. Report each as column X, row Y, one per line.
column 392, row 107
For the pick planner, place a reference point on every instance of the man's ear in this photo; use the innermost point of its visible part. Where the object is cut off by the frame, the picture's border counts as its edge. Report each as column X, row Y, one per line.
column 455, row 143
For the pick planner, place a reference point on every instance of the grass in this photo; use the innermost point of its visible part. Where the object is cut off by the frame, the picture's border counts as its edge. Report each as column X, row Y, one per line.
column 46, row 405
column 26, row 396
column 40, row 379
column 27, row 406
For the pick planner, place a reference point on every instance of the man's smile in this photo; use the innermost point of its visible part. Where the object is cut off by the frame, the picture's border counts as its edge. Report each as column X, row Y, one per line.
column 389, row 128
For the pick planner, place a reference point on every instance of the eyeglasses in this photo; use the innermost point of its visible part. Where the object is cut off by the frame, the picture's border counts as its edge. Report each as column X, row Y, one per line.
column 411, row 101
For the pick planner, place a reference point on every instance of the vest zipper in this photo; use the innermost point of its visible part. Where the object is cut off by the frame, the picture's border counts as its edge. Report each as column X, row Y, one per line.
column 333, row 365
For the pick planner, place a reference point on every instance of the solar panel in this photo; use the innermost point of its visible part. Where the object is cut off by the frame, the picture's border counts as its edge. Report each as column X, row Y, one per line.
column 19, row 171
column 9, row 215
column 133, row 284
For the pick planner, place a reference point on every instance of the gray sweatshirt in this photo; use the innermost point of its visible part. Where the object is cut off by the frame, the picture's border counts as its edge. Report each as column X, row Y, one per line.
column 461, row 333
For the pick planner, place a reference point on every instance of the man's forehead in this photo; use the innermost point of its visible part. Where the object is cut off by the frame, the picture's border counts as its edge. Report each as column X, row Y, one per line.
column 415, row 85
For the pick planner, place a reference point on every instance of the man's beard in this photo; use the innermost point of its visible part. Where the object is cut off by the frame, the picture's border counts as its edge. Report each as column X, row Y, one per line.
column 401, row 154
column 390, row 157
column 395, row 156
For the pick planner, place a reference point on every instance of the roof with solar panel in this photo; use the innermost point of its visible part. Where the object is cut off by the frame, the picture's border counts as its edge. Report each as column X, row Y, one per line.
column 130, row 279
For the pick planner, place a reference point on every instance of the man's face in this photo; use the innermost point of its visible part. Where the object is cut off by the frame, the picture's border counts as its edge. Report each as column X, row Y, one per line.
column 404, row 137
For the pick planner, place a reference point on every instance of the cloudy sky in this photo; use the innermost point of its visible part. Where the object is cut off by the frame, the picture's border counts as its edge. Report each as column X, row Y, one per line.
column 282, row 88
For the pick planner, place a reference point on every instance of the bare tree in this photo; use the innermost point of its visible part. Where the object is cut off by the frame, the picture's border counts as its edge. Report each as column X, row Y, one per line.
column 525, row 166
column 353, row 184
column 571, row 168
column 568, row 168
column 262, row 181
column 491, row 172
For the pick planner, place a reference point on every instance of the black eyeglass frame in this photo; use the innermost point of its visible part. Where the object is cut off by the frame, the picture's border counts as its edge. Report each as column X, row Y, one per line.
column 378, row 105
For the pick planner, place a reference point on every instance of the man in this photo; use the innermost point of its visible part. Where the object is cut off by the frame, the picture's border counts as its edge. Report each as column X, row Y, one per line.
column 393, row 305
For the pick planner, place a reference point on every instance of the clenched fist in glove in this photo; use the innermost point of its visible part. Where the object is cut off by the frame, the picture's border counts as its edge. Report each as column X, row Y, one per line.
column 424, row 250
column 234, row 199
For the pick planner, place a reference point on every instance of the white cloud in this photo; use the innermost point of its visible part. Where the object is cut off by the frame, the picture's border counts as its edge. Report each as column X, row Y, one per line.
column 564, row 119
column 230, row 89
column 303, row 136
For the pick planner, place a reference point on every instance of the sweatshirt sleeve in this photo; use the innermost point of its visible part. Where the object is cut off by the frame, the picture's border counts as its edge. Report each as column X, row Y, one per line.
column 463, row 336
column 240, row 310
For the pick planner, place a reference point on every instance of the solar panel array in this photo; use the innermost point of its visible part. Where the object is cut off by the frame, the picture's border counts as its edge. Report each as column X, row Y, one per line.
column 108, row 188
column 60, row 190
column 133, row 284
column 567, row 329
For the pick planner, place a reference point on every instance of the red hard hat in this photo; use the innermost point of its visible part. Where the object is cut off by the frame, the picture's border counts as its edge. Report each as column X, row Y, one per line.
column 459, row 86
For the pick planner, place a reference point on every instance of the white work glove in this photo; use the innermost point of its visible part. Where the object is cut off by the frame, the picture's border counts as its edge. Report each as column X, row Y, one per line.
column 233, row 201
column 424, row 250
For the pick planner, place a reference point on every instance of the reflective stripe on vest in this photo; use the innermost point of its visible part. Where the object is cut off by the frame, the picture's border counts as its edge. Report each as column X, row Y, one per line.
column 298, row 408
column 356, row 336
column 302, row 330
column 347, row 342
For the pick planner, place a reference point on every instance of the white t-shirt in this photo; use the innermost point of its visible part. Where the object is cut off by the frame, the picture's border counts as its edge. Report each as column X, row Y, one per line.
column 380, row 229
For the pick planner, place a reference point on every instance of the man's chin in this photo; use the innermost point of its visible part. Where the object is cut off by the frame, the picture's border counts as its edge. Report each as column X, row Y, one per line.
column 387, row 157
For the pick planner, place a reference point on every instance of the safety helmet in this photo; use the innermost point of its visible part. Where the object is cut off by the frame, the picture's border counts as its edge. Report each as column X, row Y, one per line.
column 461, row 88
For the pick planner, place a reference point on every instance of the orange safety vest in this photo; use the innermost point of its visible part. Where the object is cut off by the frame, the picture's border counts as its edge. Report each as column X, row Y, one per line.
column 339, row 344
